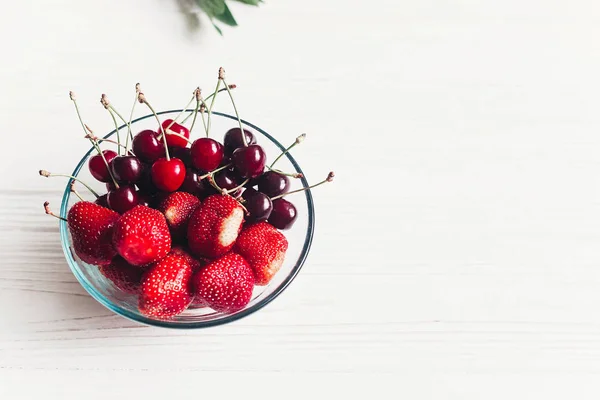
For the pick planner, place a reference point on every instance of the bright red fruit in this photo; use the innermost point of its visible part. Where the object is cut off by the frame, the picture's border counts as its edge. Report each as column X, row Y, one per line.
column 194, row 262
column 91, row 227
column 168, row 175
column 124, row 276
column 264, row 248
column 206, row 154
column 98, row 167
column 174, row 140
column 141, row 236
column 225, row 284
column 147, row 147
column 166, row 287
column 177, row 208
column 214, row 226
column 249, row 161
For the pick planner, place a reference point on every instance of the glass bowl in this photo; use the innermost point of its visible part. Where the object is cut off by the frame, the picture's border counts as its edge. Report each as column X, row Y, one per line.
column 299, row 236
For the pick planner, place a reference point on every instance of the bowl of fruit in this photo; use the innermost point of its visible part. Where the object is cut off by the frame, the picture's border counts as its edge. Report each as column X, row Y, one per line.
column 185, row 218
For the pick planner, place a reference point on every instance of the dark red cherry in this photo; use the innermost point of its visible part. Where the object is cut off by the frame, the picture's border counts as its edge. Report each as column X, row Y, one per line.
column 127, row 169
column 248, row 192
column 233, row 140
column 183, row 153
column 249, row 161
column 145, row 183
column 102, row 201
column 259, row 206
column 110, row 186
column 192, row 183
column 168, row 175
column 98, row 167
column 123, row 199
column 284, row 214
column 147, row 147
column 273, row 183
column 174, row 140
column 207, row 154
column 226, row 179
column 144, row 199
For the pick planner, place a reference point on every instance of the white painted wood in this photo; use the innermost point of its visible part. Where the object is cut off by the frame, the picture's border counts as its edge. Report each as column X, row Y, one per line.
column 456, row 256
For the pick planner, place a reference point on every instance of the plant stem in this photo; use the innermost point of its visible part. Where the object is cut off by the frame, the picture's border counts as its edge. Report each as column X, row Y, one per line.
column 236, row 114
column 49, row 211
column 75, row 191
column 129, row 132
column 94, row 143
column 117, row 129
column 241, row 185
column 214, row 171
column 50, row 175
column 232, row 86
column 142, row 99
column 328, row 179
column 298, row 140
column 212, row 103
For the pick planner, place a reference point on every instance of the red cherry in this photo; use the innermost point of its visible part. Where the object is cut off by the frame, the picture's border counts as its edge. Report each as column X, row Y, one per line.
column 147, row 147
column 123, row 199
column 102, row 201
column 283, row 214
column 126, row 169
column 192, row 184
column 98, row 168
column 206, row 154
column 249, row 161
column 174, row 140
column 233, row 140
column 168, row 175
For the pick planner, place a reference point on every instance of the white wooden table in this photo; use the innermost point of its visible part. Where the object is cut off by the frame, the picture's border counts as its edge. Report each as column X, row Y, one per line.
column 455, row 257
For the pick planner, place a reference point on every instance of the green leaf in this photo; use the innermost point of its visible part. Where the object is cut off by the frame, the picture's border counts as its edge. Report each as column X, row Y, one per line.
column 226, row 17
column 251, row 2
column 217, row 28
column 212, row 7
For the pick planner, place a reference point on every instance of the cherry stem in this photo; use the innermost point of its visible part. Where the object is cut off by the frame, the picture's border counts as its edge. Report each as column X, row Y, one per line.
column 214, row 184
column 95, row 142
column 47, row 174
column 212, row 103
column 181, row 112
column 298, row 140
column 232, row 86
column 142, row 99
column 178, row 135
column 99, row 140
column 328, row 179
column 291, row 175
column 117, row 129
column 49, row 211
column 73, row 190
column 214, row 171
column 241, row 185
column 129, row 133
column 198, row 94
column 122, row 119
column 87, row 129
column 236, row 114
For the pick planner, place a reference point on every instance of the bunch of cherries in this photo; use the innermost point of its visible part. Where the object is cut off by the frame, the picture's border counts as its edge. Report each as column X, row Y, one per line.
column 166, row 160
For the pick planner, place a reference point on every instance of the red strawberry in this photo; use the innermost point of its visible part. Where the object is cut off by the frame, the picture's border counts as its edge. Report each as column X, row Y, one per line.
column 177, row 208
column 91, row 227
column 142, row 236
column 166, row 287
column 194, row 262
column 126, row 277
column 264, row 248
column 225, row 284
column 214, row 226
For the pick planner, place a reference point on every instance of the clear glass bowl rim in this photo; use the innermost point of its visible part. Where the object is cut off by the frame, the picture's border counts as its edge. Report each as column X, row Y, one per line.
column 89, row 287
